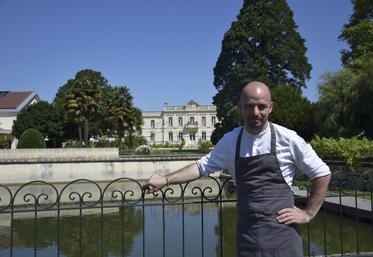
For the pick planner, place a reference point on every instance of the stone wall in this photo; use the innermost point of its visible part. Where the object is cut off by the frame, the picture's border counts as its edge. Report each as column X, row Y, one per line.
column 98, row 164
column 55, row 154
column 62, row 171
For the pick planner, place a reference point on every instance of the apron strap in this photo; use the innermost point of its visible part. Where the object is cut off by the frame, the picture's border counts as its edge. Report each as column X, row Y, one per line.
column 273, row 139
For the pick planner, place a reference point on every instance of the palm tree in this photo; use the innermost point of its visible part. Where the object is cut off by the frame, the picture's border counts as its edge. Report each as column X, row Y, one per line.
column 84, row 102
column 74, row 114
column 122, row 114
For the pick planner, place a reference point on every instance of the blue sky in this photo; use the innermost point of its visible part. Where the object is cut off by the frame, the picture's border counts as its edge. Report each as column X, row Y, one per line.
column 163, row 50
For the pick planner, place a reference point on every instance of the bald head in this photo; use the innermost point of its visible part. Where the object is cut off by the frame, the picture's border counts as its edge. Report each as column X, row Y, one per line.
column 255, row 88
column 255, row 105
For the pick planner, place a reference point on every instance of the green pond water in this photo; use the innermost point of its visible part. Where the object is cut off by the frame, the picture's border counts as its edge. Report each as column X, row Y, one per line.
column 142, row 234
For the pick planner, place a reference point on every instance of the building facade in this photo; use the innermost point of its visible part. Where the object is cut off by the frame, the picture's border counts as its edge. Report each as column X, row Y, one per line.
column 190, row 122
column 11, row 103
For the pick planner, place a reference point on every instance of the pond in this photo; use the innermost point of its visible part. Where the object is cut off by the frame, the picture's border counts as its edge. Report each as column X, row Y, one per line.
column 173, row 230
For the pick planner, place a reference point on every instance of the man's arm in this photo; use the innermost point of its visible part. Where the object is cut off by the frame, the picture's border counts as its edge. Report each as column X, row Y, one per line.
column 183, row 175
column 295, row 215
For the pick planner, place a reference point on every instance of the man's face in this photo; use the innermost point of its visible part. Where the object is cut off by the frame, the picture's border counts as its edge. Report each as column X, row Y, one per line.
column 255, row 105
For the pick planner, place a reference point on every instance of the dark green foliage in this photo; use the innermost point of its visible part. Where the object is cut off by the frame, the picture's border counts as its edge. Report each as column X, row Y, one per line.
column 31, row 138
column 4, row 142
column 353, row 150
column 83, row 104
column 346, row 97
column 134, row 141
column 264, row 45
column 364, row 69
column 45, row 118
column 63, row 94
column 358, row 33
column 204, row 146
column 121, row 112
column 336, row 106
column 93, row 108
column 293, row 111
column 71, row 229
column 59, row 102
column 346, row 101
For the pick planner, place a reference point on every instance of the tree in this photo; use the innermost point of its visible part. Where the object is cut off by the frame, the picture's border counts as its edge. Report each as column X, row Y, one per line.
column 346, row 96
column 31, row 138
column 122, row 114
column 293, row 111
column 71, row 129
column 63, row 93
column 135, row 124
column 358, row 33
column 84, row 101
column 338, row 107
column 363, row 69
column 45, row 118
column 73, row 124
column 4, row 142
column 263, row 44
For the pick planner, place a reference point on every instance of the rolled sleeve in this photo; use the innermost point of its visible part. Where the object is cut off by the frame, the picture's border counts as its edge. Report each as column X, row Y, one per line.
column 308, row 161
column 214, row 161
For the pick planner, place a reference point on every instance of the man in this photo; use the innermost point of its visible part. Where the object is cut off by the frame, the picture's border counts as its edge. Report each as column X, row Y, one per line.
column 262, row 158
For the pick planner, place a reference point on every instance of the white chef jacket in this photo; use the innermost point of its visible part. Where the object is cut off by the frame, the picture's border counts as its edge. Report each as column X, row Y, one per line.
column 292, row 153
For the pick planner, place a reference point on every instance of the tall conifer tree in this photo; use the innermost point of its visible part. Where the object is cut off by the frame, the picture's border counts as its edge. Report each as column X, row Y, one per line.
column 358, row 32
column 262, row 44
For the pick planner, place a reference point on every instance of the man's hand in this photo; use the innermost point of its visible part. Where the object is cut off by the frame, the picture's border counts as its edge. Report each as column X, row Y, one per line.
column 155, row 183
column 293, row 216
column 183, row 175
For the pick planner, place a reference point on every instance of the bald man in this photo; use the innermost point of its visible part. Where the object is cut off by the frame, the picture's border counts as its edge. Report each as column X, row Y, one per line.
column 262, row 158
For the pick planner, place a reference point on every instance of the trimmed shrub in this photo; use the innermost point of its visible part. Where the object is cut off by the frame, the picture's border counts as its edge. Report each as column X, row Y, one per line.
column 143, row 149
column 4, row 142
column 31, row 138
column 352, row 150
column 204, row 146
column 135, row 141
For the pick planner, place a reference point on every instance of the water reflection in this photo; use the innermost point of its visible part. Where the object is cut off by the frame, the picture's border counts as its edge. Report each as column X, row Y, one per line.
column 158, row 231
column 78, row 235
column 341, row 235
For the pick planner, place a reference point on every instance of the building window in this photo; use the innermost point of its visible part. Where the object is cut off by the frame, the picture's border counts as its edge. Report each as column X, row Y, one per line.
column 180, row 136
column 213, row 120
column 170, row 123
column 152, row 123
column 192, row 136
column 203, row 121
column 152, row 137
column 204, row 136
column 170, row 137
column 191, row 120
column 180, row 121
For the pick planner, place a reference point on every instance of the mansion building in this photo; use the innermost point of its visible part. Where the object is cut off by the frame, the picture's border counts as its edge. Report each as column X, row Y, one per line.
column 11, row 103
column 191, row 122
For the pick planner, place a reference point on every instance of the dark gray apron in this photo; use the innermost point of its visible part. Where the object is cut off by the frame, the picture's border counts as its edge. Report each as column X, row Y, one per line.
column 261, row 193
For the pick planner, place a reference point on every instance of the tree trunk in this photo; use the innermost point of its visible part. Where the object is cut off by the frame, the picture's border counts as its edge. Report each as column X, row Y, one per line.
column 130, row 140
column 80, row 134
column 120, row 135
column 86, row 132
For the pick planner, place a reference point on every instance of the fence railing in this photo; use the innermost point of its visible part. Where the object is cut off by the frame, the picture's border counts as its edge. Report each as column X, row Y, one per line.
column 118, row 218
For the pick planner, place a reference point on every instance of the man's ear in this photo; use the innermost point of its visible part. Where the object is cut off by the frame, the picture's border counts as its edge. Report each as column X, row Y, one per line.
column 239, row 105
column 271, row 106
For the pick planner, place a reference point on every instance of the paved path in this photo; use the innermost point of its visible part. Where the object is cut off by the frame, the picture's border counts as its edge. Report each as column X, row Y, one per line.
column 350, row 205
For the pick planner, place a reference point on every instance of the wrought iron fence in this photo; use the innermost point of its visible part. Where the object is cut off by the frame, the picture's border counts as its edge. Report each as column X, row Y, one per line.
column 118, row 218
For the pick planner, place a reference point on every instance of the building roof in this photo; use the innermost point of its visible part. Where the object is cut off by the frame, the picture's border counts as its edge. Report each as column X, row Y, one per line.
column 15, row 100
column 192, row 102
